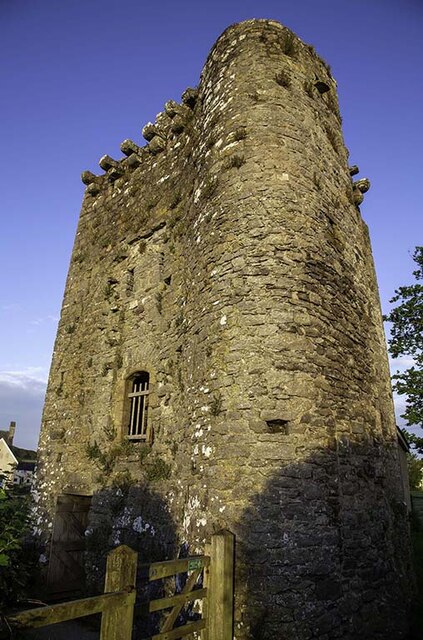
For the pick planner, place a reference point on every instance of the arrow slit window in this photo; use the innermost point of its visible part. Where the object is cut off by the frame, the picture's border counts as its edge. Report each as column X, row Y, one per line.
column 138, row 405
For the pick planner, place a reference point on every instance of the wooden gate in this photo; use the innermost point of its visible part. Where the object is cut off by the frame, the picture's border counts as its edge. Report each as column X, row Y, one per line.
column 66, row 575
column 210, row 579
column 117, row 604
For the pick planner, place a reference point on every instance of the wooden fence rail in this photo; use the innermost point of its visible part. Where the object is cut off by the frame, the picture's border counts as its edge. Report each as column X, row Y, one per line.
column 117, row 603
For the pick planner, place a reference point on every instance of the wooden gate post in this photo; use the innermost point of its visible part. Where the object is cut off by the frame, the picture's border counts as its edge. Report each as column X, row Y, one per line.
column 221, row 594
column 121, row 571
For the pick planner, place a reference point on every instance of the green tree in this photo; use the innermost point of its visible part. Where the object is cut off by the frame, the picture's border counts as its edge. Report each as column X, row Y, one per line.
column 407, row 340
column 415, row 471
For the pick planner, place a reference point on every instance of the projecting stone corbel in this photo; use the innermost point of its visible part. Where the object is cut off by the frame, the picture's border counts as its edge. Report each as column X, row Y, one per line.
column 173, row 109
column 156, row 145
column 113, row 168
column 88, row 177
column 128, row 147
column 154, row 137
column 360, row 187
column 134, row 153
column 149, row 131
column 93, row 182
column 178, row 124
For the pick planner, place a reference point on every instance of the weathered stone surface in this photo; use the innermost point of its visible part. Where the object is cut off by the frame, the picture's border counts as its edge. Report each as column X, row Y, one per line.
column 88, row 177
column 128, row 147
column 149, row 131
column 235, row 268
column 156, row 145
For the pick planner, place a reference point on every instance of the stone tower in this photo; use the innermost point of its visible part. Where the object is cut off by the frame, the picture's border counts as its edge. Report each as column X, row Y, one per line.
column 222, row 286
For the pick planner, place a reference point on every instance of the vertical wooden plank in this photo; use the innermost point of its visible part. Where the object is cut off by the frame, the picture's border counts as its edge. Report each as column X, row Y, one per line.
column 204, row 633
column 221, row 600
column 131, row 418
column 121, row 573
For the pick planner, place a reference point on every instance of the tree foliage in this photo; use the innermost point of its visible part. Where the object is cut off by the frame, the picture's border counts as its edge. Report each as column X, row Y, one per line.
column 415, row 471
column 407, row 340
column 16, row 557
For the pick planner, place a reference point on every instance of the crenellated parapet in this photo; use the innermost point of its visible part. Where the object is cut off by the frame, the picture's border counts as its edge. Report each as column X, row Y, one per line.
column 160, row 136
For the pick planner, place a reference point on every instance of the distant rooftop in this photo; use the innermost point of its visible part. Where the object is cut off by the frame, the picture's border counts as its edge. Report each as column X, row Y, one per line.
column 27, row 455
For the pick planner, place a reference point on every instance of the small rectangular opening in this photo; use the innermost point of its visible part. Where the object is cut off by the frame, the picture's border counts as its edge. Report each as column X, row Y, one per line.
column 138, row 410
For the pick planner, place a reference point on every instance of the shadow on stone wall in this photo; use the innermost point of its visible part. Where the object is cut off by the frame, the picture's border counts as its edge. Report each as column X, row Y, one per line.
column 322, row 553
column 137, row 517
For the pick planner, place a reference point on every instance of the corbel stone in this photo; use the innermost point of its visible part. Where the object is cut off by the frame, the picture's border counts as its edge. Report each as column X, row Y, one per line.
column 156, row 145
column 162, row 123
column 362, row 185
column 133, row 161
column 88, row 177
column 106, row 163
column 178, row 124
column 359, row 188
column 93, row 188
column 149, row 131
column 113, row 168
column 114, row 173
column 128, row 147
column 93, row 182
column 354, row 170
column 173, row 109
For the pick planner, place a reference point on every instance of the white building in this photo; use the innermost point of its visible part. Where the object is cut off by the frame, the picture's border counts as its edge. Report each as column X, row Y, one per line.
column 15, row 462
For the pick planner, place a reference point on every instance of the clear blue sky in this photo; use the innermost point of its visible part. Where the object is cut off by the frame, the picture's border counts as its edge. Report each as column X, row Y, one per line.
column 79, row 76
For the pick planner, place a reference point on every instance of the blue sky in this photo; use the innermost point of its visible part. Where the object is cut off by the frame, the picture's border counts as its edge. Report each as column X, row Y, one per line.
column 79, row 76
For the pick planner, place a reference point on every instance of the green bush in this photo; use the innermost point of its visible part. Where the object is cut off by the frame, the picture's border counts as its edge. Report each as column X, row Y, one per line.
column 17, row 555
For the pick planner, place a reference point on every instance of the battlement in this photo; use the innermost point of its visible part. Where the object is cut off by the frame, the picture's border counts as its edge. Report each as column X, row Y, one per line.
column 160, row 136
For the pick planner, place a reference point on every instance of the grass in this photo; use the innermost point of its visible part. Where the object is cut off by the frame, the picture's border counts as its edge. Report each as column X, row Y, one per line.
column 234, row 161
column 240, row 133
column 216, row 404
column 290, row 45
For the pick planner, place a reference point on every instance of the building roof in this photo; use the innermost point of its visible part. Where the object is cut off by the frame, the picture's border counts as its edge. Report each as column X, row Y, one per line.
column 27, row 455
column 402, row 440
column 26, row 465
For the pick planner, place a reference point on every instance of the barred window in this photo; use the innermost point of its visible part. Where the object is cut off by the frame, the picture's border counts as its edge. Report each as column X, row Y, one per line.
column 138, row 405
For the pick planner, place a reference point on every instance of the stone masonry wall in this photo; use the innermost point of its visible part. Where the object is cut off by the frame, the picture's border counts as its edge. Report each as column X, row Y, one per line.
column 229, row 259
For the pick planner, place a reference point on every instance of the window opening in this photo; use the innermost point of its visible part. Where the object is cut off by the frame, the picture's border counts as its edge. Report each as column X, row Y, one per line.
column 138, row 397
